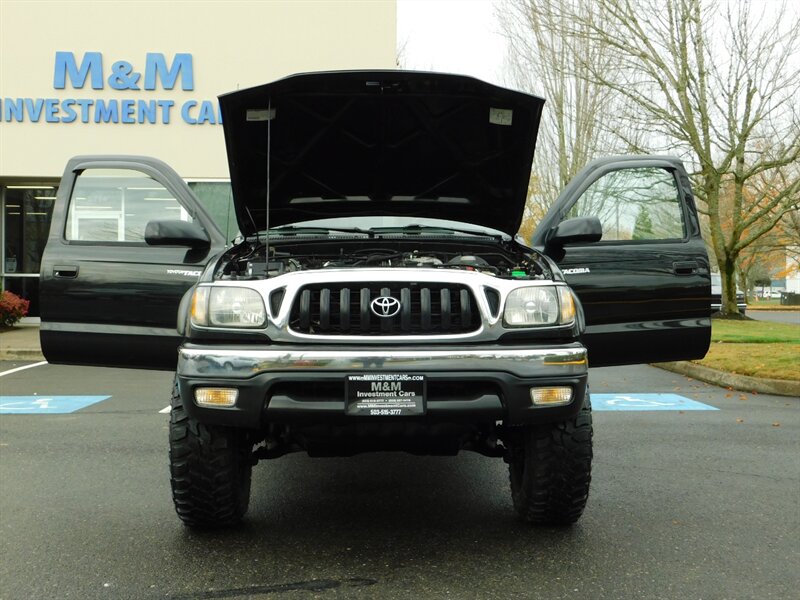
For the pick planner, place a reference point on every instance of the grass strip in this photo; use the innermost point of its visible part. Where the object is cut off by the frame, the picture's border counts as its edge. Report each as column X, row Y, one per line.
column 754, row 332
column 772, row 361
column 754, row 348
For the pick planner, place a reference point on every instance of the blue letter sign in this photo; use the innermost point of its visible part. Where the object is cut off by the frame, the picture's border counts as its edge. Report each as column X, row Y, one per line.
column 66, row 66
column 156, row 68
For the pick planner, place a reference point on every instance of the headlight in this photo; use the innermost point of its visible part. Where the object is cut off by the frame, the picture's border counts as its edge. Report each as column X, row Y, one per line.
column 228, row 307
column 567, row 305
column 542, row 305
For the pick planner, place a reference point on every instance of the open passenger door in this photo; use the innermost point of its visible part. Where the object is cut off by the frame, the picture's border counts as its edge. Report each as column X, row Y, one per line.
column 127, row 239
column 645, row 285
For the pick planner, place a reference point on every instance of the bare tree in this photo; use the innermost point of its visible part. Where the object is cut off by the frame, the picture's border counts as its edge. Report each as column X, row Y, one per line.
column 791, row 228
column 401, row 53
column 769, row 228
column 715, row 83
column 577, row 114
column 764, row 258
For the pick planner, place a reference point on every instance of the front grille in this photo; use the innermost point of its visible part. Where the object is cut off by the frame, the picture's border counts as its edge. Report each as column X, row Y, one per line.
column 344, row 309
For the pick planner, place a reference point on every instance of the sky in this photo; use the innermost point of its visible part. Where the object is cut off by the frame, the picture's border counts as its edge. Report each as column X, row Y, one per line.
column 456, row 36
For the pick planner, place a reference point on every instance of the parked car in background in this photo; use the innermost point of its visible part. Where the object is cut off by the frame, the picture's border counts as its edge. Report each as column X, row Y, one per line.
column 716, row 296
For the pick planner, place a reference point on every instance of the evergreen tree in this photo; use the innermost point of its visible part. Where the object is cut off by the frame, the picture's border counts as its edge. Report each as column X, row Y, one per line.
column 643, row 228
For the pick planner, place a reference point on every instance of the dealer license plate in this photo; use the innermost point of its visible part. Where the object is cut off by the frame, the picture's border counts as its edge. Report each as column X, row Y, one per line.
column 385, row 394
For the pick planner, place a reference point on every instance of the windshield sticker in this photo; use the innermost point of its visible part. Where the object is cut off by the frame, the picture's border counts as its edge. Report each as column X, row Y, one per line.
column 500, row 116
column 576, row 271
column 260, row 114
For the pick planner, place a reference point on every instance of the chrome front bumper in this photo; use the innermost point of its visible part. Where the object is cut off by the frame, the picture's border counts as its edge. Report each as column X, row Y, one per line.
column 293, row 385
column 243, row 362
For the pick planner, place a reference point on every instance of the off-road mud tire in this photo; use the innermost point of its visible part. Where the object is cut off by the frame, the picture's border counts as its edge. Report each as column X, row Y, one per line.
column 210, row 470
column 550, row 468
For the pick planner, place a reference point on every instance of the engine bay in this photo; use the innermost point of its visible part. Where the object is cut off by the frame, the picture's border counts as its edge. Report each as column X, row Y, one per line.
column 248, row 260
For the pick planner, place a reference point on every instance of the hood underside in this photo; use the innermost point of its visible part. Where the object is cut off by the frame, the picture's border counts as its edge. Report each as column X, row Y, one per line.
column 389, row 143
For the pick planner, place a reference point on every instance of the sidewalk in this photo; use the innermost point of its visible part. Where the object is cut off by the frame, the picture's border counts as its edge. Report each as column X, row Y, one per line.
column 21, row 342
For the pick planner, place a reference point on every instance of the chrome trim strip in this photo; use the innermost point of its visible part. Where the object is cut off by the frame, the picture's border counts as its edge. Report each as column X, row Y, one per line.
column 109, row 329
column 241, row 362
column 490, row 328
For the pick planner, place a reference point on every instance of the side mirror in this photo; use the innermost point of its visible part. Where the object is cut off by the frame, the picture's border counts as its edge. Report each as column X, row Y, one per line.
column 175, row 233
column 571, row 231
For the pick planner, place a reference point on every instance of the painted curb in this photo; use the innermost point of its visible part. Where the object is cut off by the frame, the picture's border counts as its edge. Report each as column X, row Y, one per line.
column 743, row 383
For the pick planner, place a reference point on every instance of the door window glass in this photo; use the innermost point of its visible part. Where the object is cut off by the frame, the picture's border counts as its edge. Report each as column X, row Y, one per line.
column 115, row 205
column 634, row 204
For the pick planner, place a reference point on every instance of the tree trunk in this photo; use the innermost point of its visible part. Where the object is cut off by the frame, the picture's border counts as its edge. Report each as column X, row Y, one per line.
column 727, row 271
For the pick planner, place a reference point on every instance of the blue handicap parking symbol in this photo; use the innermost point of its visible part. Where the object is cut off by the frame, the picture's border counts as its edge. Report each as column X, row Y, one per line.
column 51, row 405
column 646, row 402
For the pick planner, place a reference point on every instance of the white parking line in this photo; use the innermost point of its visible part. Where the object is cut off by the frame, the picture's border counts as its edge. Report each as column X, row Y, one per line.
column 164, row 411
column 10, row 371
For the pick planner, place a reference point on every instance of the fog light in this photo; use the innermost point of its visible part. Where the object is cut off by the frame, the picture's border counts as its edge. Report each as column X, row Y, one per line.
column 216, row 397
column 551, row 396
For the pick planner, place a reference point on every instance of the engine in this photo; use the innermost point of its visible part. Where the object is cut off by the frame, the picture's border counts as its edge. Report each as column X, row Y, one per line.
column 249, row 261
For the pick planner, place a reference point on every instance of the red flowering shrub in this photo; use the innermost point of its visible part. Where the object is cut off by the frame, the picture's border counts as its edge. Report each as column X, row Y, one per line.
column 12, row 308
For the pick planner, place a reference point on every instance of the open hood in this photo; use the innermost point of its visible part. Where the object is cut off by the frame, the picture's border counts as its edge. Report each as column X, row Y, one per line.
column 397, row 143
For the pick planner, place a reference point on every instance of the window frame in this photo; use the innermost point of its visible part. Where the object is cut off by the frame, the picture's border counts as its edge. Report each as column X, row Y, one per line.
column 144, row 170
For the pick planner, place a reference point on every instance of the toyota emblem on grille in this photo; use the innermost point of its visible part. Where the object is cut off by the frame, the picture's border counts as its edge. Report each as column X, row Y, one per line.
column 385, row 306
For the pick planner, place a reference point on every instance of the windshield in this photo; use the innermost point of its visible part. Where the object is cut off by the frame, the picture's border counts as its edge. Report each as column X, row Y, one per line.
column 391, row 224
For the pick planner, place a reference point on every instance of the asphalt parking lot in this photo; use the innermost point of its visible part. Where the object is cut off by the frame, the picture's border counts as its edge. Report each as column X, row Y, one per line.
column 684, row 504
column 792, row 317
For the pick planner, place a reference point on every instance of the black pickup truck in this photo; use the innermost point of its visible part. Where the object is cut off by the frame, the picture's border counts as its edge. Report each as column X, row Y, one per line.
column 378, row 297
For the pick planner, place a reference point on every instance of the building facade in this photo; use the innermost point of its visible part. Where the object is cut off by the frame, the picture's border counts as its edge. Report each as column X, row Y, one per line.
column 137, row 77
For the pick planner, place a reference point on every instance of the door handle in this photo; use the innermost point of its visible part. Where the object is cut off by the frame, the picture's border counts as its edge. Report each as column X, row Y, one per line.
column 688, row 267
column 65, row 271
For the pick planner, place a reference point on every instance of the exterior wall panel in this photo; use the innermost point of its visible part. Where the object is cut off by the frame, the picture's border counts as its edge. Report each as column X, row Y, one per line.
column 61, row 60
column 232, row 45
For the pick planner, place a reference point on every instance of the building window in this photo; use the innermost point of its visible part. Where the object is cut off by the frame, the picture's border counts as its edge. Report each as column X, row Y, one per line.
column 26, row 213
